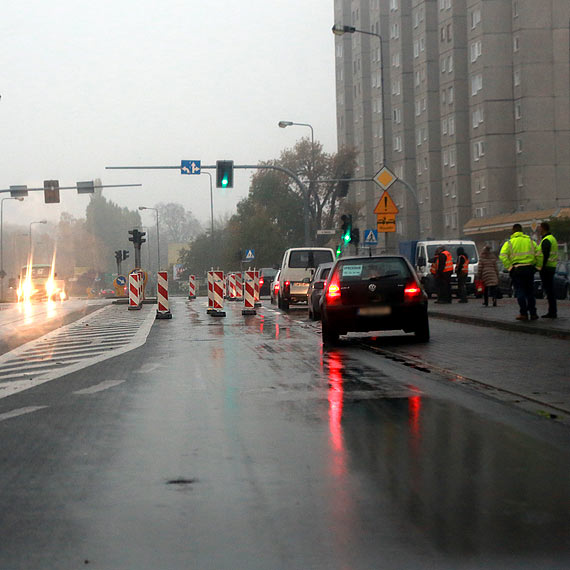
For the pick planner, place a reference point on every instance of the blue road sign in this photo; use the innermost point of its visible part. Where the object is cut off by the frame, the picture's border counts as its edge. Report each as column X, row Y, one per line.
column 370, row 237
column 190, row 167
column 121, row 280
column 249, row 254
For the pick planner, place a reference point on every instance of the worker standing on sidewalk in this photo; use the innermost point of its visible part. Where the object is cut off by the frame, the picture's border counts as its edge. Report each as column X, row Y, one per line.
column 488, row 273
column 461, row 270
column 521, row 257
column 549, row 252
column 441, row 269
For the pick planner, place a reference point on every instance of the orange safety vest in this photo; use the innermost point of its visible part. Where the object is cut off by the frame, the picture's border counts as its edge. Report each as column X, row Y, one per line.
column 448, row 263
column 465, row 268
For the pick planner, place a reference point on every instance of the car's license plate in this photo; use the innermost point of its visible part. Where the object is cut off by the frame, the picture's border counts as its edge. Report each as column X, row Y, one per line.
column 299, row 288
column 374, row 311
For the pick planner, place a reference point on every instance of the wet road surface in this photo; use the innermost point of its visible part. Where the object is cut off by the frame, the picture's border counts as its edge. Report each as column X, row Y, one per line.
column 238, row 442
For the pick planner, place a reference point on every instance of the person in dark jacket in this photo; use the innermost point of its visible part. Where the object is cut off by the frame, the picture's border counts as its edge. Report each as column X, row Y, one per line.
column 549, row 251
column 489, row 274
column 461, row 270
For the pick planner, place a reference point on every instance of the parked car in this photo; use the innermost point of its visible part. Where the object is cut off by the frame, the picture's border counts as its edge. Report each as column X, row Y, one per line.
column 274, row 288
column 561, row 282
column 373, row 293
column 316, row 290
column 266, row 277
column 297, row 269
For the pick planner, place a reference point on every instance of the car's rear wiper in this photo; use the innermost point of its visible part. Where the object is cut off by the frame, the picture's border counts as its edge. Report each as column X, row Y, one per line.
column 384, row 276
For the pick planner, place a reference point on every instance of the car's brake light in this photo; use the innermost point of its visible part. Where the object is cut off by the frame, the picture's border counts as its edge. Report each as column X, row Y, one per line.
column 276, row 286
column 286, row 285
column 260, row 281
column 412, row 292
column 333, row 290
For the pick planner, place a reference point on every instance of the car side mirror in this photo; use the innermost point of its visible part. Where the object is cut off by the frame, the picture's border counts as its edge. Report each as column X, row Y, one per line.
column 307, row 280
column 421, row 261
column 319, row 285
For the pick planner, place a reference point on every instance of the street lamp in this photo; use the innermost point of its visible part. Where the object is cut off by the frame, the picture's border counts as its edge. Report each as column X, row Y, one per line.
column 339, row 31
column 157, row 235
column 30, row 235
column 284, row 124
column 211, row 207
column 2, row 272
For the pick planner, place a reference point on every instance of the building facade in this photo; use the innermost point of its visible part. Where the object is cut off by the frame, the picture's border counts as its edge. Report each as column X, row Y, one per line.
column 467, row 101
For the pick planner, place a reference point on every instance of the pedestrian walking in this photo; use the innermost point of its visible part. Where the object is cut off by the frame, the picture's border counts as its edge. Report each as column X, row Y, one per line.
column 549, row 252
column 441, row 269
column 488, row 273
column 461, row 270
column 521, row 257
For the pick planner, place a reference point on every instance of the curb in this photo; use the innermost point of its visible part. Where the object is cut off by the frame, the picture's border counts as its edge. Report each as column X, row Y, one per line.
column 515, row 327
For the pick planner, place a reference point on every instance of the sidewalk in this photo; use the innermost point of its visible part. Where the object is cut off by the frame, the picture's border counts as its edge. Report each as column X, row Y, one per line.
column 503, row 316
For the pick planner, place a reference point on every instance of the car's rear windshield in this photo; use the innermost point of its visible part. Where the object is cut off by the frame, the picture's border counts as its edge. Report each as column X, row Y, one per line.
column 309, row 258
column 372, row 269
column 268, row 272
column 469, row 250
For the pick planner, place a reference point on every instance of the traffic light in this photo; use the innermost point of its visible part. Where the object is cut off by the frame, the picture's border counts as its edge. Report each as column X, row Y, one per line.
column 137, row 237
column 125, row 254
column 346, row 228
column 118, row 256
column 355, row 236
column 224, row 174
column 51, row 191
column 343, row 189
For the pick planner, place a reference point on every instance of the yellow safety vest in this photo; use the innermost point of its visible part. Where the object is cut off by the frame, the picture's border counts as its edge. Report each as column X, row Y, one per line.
column 553, row 257
column 520, row 249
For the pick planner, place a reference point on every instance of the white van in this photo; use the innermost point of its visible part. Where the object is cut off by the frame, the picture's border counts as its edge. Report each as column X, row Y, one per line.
column 297, row 268
column 425, row 253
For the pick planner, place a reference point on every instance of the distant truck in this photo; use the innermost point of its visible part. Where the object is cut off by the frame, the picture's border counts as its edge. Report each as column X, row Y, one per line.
column 422, row 253
column 39, row 286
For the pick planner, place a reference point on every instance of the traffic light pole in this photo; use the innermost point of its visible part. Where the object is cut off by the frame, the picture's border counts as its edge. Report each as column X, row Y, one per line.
column 290, row 173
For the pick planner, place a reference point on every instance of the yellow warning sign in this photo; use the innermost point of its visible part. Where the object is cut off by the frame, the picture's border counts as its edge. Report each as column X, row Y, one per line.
column 386, row 205
column 385, row 178
column 386, row 223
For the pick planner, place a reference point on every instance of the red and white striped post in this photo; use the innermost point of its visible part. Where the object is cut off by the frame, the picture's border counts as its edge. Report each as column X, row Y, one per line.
column 257, row 288
column 163, row 310
column 217, row 293
column 210, row 291
column 191, row 287
column 134, row 292
column 232, row 294
column 249, row 293
column 239, row 287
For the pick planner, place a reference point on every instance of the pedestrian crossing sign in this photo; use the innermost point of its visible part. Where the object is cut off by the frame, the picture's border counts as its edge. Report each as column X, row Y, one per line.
column 249, row 254
column 370, row 237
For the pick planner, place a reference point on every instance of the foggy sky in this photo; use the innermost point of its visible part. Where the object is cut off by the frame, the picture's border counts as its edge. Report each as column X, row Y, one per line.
column 119, row 82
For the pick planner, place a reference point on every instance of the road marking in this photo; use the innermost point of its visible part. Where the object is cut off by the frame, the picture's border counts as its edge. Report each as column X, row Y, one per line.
column 20, row 412
column 99, row 336
column 99, row 387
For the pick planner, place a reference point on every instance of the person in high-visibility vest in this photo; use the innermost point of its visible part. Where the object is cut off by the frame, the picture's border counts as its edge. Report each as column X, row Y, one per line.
column 441, row 269
column 521, row 257
column 461, row 270
column 549, row 253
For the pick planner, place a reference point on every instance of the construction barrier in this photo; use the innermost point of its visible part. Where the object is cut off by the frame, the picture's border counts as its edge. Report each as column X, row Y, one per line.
column 232, row 293
column 191, row 287
column 163, row 310
column 249, row 293
column 135, row 301
column 239, row 287
column 257, row 288
column 216, row 293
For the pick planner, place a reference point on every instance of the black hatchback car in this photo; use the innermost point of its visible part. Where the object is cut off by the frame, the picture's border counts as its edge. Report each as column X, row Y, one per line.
column 373, row 293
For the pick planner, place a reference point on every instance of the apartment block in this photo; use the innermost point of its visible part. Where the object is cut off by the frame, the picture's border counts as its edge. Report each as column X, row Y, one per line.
column 467, row 101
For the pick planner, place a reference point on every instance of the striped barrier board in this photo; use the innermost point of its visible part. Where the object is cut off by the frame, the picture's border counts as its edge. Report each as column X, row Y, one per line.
column 191, row 286
column 249, row 293
column 216, row 293
column 134, row 292
column 163, row 310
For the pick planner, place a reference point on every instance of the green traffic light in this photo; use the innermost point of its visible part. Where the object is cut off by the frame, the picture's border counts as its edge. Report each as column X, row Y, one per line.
column 224, row 182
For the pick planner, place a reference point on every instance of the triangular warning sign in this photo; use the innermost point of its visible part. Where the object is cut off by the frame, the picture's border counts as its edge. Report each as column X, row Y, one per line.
column 386, row 205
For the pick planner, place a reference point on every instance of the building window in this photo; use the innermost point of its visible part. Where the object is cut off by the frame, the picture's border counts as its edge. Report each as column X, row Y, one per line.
column 476, row 50
column 444, row 127
column 443, row 64
column 396, row 87
column 422, row 44
column 476, row 83
column 475, row 18
column 396, row 59
column 397, row 115
column 515, row 9
column 417, row 78
column 425, row 163
column 395, row 31
column 393, row 5
column 478, row 150
column 518, row 113
column 450, row 94
column 418, row 137
column 519, row 146
column 445, row 157
column 516, row 43
column 416, row 49
column 477, row 117
column 517, row 77
column 452, row 157
column 449, row 33
column 418, row 108
column 450, row 63
column 451, row 126
column 443, row 96
column 398, row 143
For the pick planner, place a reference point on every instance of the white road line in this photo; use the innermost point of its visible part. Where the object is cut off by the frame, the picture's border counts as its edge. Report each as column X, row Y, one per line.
column 20, row 412
column 99, row 387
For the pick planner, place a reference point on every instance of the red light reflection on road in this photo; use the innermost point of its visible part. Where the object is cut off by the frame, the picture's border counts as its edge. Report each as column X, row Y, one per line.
column 261, row 324
column 414, row 409
column 276, row 330
column 335, row 397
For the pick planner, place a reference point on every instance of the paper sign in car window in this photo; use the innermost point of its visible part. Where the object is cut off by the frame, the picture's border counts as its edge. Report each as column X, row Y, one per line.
column 351, row 270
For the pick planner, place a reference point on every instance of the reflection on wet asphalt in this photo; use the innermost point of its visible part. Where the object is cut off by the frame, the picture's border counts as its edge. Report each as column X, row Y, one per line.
column 241, row 443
